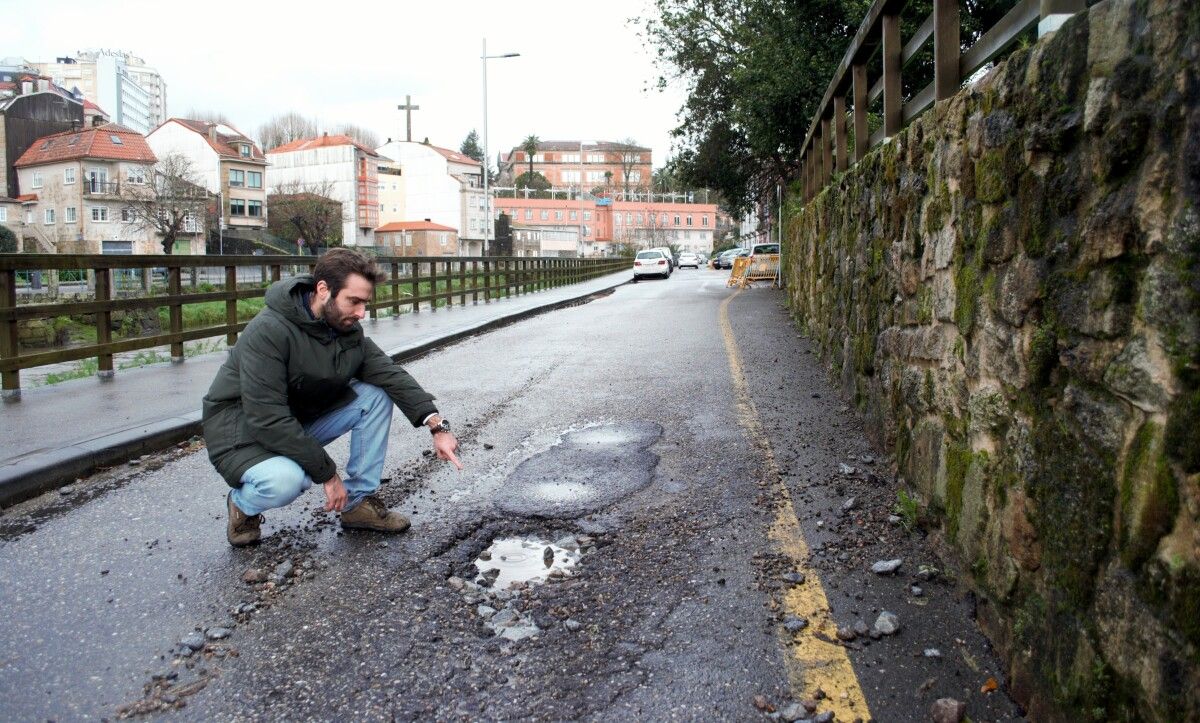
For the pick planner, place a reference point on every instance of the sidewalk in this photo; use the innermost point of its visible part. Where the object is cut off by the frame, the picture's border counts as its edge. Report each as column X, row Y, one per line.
column 59, row 432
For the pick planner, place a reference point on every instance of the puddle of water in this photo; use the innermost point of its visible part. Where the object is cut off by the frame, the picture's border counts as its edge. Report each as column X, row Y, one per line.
column 516, row 559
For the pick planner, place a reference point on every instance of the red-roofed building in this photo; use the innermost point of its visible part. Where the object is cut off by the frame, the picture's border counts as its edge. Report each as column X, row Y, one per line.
column 416, row 238
column 443, row 185
column 31, row 107
column 575, row 164
column 348, row 169
column 78, row 190
column 226, row 161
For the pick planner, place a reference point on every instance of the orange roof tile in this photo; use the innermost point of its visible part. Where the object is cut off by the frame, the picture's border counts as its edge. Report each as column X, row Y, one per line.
column 456, row 156
column 414, row 226
column 89, row 143
column 323, row 141
column 220, row 142
column 27, row 198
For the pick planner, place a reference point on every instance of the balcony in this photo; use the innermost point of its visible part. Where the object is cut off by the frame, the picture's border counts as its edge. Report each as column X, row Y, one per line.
column 101, row 188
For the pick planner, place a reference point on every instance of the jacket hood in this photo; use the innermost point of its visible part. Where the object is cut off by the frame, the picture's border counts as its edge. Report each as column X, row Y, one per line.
column 286, row 298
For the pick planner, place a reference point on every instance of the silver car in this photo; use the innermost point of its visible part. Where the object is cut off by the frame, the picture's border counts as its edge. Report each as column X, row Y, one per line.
column 687, row 258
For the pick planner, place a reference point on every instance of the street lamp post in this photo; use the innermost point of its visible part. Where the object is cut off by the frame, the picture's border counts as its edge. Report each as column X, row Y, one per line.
column 487, row 199
column 582, row 243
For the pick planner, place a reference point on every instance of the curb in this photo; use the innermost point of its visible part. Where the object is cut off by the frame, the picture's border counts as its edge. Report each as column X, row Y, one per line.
column 39, row 472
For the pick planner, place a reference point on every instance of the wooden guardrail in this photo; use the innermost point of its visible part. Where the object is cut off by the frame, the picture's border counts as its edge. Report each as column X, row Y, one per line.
column 412, row 281
column 826, row 146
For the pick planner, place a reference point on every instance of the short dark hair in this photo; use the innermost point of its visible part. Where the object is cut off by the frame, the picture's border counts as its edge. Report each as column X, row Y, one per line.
column 337, row 264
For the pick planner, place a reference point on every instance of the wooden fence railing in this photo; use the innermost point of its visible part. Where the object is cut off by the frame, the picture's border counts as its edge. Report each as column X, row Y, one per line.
column 412, row 282
column 826, row 146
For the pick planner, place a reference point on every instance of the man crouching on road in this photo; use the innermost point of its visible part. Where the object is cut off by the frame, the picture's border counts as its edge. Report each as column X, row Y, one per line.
column 301, row 375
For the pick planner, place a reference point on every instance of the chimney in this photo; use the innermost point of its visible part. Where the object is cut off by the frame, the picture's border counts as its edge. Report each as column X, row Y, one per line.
column 212, row 132
column 429, row 220
column 26, row 87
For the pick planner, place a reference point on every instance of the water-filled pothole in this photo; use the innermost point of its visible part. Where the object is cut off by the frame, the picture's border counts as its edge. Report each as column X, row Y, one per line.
column 520, row 560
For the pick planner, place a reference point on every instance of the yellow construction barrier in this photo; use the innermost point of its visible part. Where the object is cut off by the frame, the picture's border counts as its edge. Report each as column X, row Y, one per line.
column 747, row 270
column 762, row 267
column 737, row 276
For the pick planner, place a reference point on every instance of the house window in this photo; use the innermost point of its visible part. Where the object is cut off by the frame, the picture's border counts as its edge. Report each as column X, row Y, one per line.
column 236, row 177
column 569, row 158
column 100, row 214
column 587, row 215
column 190, row 225
column 639, row 219
column 137, row 175
column 443, row 239
column 558, row 215
column 529, row 214
column 595, row 158
column 245, row 148
column 237, row 207
column 545, row 215
column 539, row 157
column 69, row 215
column 574, row 215
column 127, row 214
column 689, row 220
column 116, row 139
column 635, row 176
column 676, row 220
column 704, row 220
column 255, row 209
column 37, row 179
column 407, row 240
column 3, row 214
column 617, row 219
column 49, row 216
column 28, row 216
column 662, row 219
column 254, row 179
column 69, row 175
column 628, row 219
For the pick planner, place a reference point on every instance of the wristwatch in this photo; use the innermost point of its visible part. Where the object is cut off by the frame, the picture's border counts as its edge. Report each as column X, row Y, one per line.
column 442, row 426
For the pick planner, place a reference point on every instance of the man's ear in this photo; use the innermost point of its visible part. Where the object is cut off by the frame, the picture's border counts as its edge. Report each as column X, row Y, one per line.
column 322, row 288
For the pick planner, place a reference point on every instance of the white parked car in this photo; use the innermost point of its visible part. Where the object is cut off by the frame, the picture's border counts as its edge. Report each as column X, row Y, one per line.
column 651, row 263
column 687, row 258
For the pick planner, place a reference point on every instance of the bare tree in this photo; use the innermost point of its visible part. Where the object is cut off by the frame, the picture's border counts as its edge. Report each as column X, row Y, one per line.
column 365, row 136
column 285, row 128
column 307, row 210
column 630, row 157
column 212, row 116
column 170, row 200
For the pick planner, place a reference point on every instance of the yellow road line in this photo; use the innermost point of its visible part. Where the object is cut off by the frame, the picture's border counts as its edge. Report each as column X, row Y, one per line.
column 812, row 663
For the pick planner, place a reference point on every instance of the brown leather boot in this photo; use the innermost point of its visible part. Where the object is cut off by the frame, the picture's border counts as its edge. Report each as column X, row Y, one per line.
column 373, row 514
column 242, row 529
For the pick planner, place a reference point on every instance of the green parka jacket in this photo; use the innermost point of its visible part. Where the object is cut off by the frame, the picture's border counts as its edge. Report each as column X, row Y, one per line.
column 285, row 371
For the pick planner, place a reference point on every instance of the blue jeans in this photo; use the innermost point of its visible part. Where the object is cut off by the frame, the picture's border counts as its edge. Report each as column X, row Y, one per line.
column 278, row 481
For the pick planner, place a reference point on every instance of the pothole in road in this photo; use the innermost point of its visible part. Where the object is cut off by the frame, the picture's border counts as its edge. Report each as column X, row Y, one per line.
column 587, row 470
column 518, row 560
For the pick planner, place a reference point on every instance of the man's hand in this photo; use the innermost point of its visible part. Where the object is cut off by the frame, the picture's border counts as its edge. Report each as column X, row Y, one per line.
column 446, row 445
column 335, row 494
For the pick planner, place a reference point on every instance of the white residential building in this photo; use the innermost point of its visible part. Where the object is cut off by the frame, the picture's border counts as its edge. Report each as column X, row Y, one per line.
column 225, row 161
column 133, row 93
column 350, row 169
column 78, row 188
column 444, row 186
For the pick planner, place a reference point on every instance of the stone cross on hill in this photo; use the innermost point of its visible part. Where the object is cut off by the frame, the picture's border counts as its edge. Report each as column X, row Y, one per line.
column 408, row 108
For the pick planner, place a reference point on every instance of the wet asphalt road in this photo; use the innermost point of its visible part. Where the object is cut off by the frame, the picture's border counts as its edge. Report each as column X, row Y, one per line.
column 612, row 423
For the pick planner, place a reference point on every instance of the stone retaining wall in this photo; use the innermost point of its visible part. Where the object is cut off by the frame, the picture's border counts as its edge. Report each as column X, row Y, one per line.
column 1010, row 290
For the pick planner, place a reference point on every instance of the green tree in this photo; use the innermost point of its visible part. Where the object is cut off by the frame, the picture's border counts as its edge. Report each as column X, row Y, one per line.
column 8, row 241
column 534, row 181
column 470, row 146
column 530, row 146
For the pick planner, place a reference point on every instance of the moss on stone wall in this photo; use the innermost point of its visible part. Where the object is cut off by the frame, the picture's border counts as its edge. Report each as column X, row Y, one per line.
column 1051, row 215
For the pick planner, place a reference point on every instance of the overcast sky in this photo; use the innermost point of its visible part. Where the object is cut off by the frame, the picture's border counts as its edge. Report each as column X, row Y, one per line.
column 583, row 71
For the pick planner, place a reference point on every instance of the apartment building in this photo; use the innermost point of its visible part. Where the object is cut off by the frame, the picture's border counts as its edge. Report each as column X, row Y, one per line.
column 393, row 189
column 575, row 164
column 134, row 93
column 350, row 169
column 78, row 188
column 442, row 185
column 226, row 162
column 600, row 223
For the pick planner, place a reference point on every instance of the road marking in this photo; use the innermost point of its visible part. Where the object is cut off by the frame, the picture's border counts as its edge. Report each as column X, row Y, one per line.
column 812, row 663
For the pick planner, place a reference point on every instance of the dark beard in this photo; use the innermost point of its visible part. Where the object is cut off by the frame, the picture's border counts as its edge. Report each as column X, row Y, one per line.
column 334, row 318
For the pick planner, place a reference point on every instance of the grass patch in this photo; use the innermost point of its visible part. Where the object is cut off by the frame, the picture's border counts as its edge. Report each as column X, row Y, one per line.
column 907, row 509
